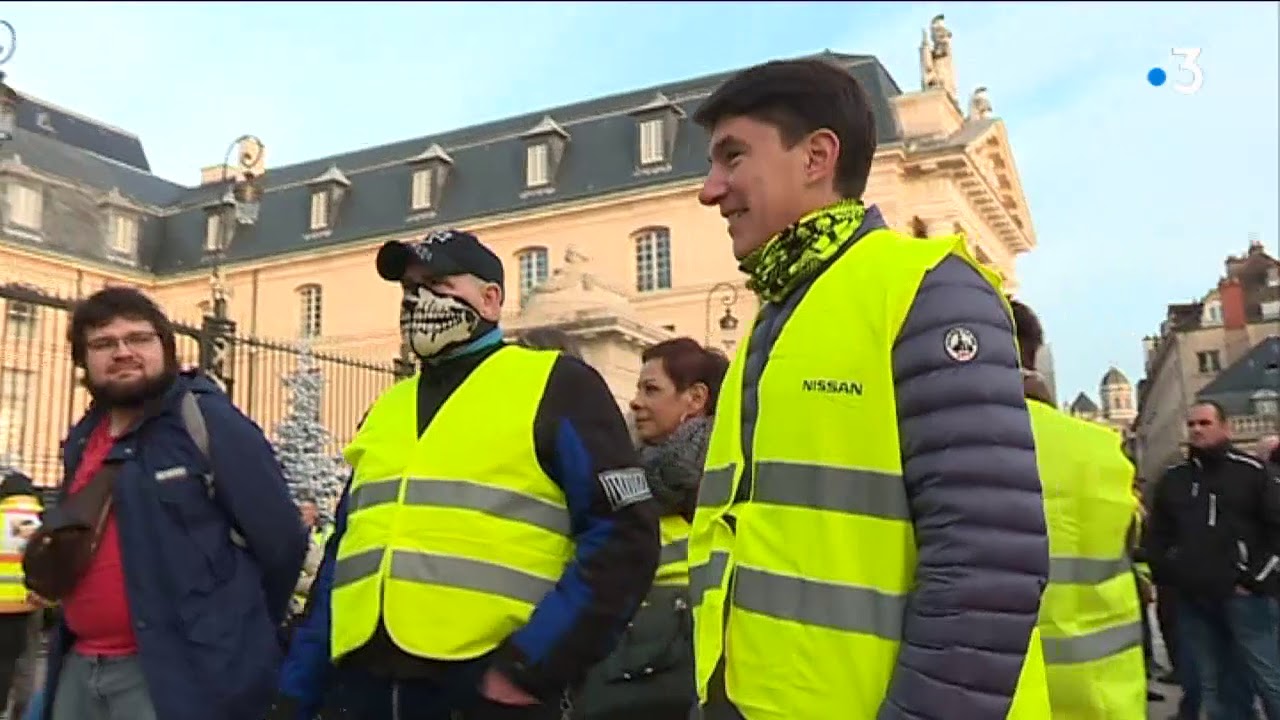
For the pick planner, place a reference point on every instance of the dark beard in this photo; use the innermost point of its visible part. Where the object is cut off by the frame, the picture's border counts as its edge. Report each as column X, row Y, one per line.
column 133, row 396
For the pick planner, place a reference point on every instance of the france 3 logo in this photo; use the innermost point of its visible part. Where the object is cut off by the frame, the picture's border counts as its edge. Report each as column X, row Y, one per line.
column 1188, row 61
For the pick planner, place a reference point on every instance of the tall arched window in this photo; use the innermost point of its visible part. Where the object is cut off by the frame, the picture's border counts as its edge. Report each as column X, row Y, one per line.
column 534, row 269
column 653, row 259
column 310, row 306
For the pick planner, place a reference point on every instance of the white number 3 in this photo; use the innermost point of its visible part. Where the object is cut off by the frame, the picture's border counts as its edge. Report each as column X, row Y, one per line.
column 1189, row 64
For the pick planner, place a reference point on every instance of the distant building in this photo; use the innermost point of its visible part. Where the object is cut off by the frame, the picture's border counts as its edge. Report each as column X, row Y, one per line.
column 1198, row 341
column 1117, row 409
column 592, row 207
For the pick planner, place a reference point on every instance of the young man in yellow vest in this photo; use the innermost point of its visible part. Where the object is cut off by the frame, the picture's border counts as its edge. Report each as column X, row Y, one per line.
column 869, row 540
column 497, row 534
column 1090, row 617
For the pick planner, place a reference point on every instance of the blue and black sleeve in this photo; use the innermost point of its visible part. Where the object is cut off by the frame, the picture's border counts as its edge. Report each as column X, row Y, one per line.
column 303, row 676
column 583, row 445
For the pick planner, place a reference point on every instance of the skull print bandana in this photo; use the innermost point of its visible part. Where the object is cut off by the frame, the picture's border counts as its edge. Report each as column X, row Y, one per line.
column 432, row 324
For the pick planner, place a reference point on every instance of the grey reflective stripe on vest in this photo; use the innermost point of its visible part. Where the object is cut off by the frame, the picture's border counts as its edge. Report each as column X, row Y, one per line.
column 811, row 602
column 818, row 487
column 707, row 575
column 373, row 493
column 466, row 496
column 1086, row 571
column 13, row 579
column 1102, row 643
column 1094, row 646
column 716, row 486
column 445, row 570
column 674, row 551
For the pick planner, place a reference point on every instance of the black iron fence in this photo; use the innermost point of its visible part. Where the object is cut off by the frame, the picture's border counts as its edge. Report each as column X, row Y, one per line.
column 41, row 391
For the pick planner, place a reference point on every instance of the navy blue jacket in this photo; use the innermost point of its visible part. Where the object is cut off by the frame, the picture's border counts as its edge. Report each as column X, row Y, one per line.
column 205, row 611
column 580, row 438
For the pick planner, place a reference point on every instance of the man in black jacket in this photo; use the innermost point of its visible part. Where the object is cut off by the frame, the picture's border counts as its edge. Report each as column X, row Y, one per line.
column 1215, row 537
column 575, row 453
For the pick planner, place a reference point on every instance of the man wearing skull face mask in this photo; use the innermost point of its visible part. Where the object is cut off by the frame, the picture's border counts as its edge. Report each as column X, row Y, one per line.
column 484, row 559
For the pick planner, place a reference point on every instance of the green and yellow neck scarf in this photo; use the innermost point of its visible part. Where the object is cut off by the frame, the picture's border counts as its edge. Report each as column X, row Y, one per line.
column 799, row 252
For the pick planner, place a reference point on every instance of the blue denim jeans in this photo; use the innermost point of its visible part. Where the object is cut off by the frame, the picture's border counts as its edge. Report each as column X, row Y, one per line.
column 35, row 711
column 1231, row 640
column 101, row 688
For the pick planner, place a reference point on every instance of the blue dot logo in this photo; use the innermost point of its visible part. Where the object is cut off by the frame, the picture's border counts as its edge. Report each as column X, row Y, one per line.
column 1156, row 77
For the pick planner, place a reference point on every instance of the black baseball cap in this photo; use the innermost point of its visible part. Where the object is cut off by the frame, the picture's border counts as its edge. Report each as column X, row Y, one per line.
column 442, row 253
column 15, row 483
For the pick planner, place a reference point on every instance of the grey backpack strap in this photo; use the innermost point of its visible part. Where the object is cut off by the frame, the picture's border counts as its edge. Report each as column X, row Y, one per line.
column 193, row 419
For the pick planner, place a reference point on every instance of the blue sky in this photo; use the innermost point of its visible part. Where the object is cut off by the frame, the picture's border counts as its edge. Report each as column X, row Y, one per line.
column 1137, row 193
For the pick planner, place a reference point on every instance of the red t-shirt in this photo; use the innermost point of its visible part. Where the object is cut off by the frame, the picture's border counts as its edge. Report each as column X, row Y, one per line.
column 97, row 611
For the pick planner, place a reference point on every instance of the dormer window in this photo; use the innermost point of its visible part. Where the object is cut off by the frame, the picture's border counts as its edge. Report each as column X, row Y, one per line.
column 122, row 222
column 1212, row 313
column 1273, row 276
column 651, row 146
column 545, row 146
column 537, row 171
column 319, row 209
column 429, row 171
column 420, row 197
column 327, row 193
column 212, row 232
column 220, row 224
column 26, row 206
column 656, row 124
column 122, row 234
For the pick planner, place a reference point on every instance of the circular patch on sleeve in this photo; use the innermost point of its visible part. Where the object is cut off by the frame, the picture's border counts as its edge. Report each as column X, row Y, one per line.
column 961, row 344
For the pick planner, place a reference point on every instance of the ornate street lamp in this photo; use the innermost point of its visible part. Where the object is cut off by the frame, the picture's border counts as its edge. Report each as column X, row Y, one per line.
column 728, row 323
column 239, row 205
column 8, row 96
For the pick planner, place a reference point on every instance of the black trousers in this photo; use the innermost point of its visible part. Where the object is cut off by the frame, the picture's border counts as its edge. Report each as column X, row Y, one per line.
column 13, row 643
column 1167, row 619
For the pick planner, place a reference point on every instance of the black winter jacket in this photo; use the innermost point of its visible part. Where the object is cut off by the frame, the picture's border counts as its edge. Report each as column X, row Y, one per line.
column 1215, row 525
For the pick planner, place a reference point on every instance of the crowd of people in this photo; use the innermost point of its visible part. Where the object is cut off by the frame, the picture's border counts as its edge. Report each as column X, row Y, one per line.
column 875, row 506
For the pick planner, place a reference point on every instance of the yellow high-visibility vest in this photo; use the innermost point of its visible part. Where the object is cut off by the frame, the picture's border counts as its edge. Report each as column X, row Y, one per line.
column 1090, row 622
column 673, row 560
column 15, row 510
column 764, row 587
column 454, row 537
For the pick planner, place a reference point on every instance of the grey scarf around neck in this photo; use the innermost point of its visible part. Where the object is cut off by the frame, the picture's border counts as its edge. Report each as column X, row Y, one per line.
column 674, row 466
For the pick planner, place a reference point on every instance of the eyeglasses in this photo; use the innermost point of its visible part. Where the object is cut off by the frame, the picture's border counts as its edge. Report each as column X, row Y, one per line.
column 132, row 341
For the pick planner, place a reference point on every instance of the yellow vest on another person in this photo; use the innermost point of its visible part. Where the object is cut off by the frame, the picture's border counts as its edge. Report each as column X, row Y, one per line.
column 21, row 516
column 673, row 561
column 460, row 524
column 1090, row 615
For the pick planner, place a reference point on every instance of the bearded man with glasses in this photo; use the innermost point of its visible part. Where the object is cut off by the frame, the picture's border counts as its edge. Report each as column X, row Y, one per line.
column 174, row 546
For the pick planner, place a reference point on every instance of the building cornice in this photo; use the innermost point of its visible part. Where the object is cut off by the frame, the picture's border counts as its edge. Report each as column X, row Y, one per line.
column 58, row 258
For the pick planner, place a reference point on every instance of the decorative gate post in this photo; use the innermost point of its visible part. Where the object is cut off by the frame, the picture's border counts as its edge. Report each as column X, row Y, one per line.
column 217, row 350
